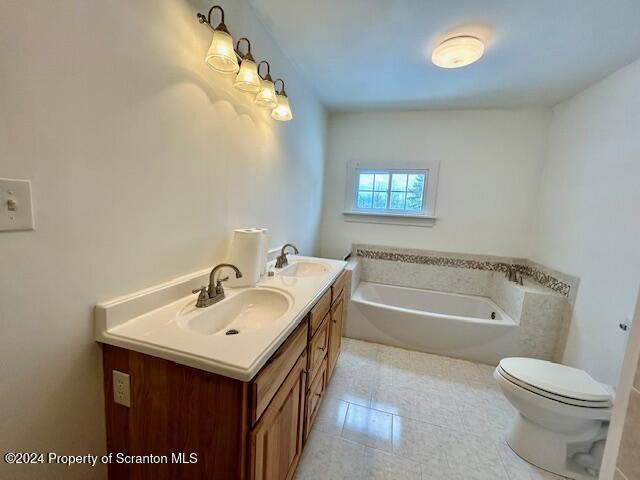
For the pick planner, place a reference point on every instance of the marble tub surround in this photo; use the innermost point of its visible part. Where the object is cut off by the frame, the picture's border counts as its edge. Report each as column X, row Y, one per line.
column 541, row 312
column 354, row 272
column 396, row 414
column 468, row 267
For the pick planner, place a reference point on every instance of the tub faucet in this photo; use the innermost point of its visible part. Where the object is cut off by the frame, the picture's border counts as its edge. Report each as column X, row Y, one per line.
column 512, row 275
column 214, row 292
column 282, row 261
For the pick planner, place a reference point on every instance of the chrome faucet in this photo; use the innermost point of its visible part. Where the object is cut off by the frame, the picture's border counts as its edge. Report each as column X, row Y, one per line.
column 214, row 292
column 282, row 261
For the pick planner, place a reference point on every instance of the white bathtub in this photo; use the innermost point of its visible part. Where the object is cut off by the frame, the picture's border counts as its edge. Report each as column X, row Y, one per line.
column 463, row 326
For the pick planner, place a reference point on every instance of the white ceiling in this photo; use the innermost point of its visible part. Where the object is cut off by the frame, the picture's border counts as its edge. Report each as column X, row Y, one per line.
column 362, row 54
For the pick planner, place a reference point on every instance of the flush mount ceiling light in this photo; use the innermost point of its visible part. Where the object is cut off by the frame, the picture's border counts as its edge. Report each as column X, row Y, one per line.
column 247, row 79
column 282, row 112
column 223, row 58
column 458, row 52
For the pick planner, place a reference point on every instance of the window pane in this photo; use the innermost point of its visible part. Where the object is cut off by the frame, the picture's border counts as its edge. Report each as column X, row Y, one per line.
column 365, row 182
column 396, row 201
column 379, row 199
column 414, row 201
column 365, row 199
column 381, row 183
column 416, row 183
column 399, row 182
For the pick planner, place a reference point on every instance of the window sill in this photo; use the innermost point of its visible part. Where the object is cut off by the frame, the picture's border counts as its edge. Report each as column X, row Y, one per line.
column 390, row 219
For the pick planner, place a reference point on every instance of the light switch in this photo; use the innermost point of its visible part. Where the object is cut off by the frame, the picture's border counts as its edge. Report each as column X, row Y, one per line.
column 16, row 211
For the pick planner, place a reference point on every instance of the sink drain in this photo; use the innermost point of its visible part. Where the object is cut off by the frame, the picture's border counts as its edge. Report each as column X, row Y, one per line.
column 233, row 331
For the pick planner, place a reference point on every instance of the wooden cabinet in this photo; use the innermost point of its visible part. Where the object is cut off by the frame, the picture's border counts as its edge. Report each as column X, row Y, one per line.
column 335, row 333
column 337, row 289
column 267, row 382
column 276, row 442
column 314, row 397
column 318, row 347
column 175, row 409
column 319, row 312
column 239, row 430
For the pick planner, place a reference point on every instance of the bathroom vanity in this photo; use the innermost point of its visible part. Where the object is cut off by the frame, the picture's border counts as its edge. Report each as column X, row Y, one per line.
column 245, row 411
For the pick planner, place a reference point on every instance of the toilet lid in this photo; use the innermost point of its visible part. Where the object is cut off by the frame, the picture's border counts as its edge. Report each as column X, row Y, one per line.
column 556, row 378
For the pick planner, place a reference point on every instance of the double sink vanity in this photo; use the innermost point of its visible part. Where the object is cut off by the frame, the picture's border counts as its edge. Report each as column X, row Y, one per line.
column 233, row 386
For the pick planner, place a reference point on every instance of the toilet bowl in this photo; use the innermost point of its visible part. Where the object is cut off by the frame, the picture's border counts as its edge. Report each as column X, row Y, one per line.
column 563, row 415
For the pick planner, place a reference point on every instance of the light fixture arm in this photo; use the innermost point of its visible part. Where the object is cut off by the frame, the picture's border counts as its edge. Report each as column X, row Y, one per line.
column 282, row 90
column 207, row 20
column 247, row 55
column 268, row 75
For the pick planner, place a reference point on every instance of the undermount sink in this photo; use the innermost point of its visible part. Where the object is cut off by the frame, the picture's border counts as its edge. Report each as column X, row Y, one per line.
column 248, row 310
column 304, row 269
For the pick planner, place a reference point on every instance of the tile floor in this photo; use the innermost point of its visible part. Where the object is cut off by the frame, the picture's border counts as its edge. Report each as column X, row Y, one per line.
column 393, row 414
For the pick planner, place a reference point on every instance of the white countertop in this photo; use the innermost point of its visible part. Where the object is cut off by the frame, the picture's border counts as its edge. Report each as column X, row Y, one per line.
column 147, row 322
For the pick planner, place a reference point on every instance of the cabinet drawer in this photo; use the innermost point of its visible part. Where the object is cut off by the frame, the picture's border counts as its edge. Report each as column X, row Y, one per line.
column 318, row 312
column 318, row 347
column 267, row 382
column 338, row 287
column 314, row 397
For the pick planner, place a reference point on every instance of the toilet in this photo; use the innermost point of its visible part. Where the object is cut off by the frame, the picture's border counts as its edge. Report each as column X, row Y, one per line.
column 563, row 415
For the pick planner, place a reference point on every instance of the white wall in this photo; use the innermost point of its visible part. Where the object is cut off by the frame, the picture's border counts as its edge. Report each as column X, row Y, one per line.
column 490, row 165
column 588, row 223
column 142, row 161
column 559, row 187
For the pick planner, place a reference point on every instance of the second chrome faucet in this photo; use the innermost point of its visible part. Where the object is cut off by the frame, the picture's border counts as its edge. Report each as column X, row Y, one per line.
column 214, row 292
column 282, row 261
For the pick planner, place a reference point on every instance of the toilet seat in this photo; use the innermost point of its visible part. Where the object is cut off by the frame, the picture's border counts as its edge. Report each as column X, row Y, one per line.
column 557, row 382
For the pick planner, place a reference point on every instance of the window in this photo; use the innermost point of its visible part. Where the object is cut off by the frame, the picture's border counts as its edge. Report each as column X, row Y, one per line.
column 402, row 195
column 390, row 191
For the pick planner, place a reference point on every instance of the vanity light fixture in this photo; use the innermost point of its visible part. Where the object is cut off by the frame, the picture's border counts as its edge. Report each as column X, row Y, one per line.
column 221, row 55
column 223, row 58
column 266, row 97
column 247, row 79
column 456, row 52
column 283, row 111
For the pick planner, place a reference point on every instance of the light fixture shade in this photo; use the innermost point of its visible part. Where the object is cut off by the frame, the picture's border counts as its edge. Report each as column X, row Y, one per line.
column 458, row 52
column 248, row 79
column 266, row 97
column 221, row 56
column 283, row 111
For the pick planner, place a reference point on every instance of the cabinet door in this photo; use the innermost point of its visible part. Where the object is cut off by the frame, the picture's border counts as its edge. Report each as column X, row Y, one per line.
column 276, row 442
column 314, row 397
column 335, row 333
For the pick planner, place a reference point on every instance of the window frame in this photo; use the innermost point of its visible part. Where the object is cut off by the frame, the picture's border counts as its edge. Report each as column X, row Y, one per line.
column 389, row 190
column 424, row 218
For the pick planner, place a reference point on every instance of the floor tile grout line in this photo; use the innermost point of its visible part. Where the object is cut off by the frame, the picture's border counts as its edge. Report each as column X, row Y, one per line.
column 344, row 420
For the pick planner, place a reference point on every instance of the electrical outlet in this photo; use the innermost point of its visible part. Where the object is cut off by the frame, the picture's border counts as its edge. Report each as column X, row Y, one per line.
column 121, row 388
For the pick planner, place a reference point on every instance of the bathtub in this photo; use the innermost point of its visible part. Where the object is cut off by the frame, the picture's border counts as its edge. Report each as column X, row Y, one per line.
column 463, row 326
